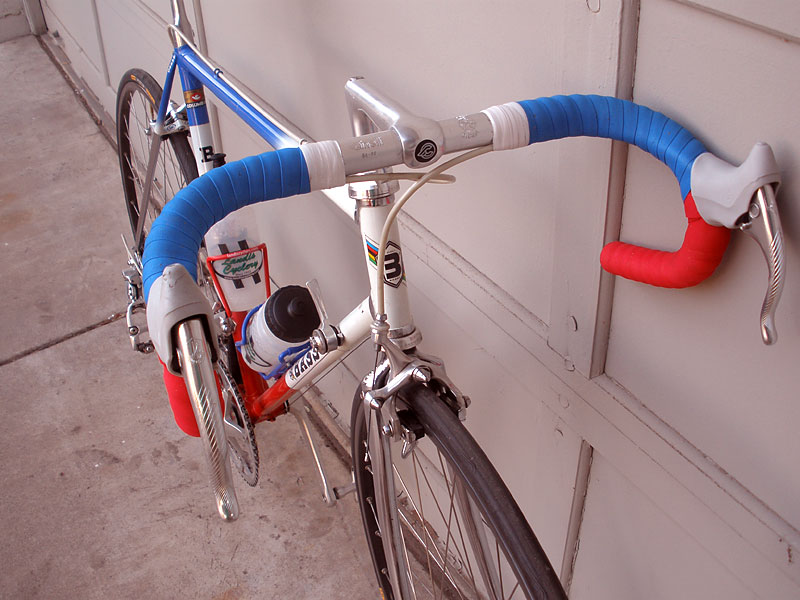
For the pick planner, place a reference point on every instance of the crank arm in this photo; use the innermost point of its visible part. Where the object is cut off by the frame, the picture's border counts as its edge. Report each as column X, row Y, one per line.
column 329, row 493
column 194, row 355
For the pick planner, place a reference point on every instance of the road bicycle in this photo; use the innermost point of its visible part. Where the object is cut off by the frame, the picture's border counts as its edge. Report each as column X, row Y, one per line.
column 438, row 518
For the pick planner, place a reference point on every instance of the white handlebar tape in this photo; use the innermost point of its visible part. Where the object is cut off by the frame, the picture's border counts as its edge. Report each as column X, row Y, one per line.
column 325, row 164
column 509, row 125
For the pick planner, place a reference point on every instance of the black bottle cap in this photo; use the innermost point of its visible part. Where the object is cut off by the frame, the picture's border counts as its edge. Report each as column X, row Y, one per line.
column 290, row 314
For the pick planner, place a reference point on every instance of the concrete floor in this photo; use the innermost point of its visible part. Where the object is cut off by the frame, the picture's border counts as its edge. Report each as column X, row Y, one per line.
column 102, row 495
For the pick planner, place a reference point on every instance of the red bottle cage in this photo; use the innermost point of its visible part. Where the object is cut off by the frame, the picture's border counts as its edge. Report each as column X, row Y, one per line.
column 234, row 256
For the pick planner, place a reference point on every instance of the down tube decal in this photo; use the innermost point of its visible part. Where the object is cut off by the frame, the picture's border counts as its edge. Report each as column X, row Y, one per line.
column 394, row 273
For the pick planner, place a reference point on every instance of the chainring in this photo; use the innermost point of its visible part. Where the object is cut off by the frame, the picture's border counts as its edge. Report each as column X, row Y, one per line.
column 238, row 428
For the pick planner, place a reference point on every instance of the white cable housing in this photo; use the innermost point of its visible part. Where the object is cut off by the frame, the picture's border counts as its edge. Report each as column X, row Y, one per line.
column 325, row 164
column 510, row 126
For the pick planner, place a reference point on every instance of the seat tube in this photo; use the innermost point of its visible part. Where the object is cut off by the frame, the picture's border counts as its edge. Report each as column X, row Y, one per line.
column 195, row 98
column 199, row 126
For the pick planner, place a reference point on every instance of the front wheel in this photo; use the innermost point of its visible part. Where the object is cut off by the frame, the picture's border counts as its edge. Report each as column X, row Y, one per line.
column 449, row 527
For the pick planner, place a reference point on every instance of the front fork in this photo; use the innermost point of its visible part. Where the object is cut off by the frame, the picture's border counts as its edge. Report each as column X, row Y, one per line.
column 380, row 455
column 384, row 426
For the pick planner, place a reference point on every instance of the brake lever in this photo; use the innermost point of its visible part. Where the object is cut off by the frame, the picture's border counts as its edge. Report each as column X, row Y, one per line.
column 763, row 223
column 743, row 198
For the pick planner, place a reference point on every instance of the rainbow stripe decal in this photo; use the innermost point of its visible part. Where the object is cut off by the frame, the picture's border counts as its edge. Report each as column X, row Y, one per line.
column 372, row 251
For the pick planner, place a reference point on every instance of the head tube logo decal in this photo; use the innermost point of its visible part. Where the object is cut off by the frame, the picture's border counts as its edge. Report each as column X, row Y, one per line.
column 393, row 271
column 194, row 98
column 425, row 151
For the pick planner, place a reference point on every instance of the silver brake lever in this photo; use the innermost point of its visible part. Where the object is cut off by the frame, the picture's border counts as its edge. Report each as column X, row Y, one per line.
column 762, row 223
column 743, row 198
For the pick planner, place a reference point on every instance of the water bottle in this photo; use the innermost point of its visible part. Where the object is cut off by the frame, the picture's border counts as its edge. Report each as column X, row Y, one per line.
column 285, row 320
column 242, row 277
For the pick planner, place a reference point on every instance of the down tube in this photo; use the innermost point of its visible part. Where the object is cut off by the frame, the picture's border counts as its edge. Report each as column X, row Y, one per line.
column 354, row 328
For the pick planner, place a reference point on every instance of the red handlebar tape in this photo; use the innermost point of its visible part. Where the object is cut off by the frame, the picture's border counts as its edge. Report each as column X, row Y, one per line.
column 698, row 257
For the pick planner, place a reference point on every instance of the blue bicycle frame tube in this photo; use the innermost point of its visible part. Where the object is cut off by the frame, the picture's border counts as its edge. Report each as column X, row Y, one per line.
column 194, row 71
column 162, row 107
column 196, row 108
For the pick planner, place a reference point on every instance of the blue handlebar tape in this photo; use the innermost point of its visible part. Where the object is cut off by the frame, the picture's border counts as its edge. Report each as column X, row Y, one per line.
column 602, row 116
column 177, row 233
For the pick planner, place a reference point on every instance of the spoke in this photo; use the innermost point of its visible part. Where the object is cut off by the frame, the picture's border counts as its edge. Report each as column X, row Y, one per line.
column 499, row 568
column 141, row 127
column 421, row 511
column 410, row 526
column 456, row 539
column 140, row 137
column 371, row 502
column 370, row 499
column 465, row 555
column 464, row 560
column 134, row 173
column 441, row 561
column 164, row 171
column 428, row 536
column 451, row 512
column 414, row 506
column 514, row 591
column 405, row 557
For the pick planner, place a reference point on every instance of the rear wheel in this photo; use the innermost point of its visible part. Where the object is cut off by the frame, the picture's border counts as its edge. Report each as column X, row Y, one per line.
column 138, row 98
column 449, row 520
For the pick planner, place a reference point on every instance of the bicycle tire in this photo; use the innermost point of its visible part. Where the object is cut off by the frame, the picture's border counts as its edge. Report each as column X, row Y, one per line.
column 138, row 97
column 459, row 454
